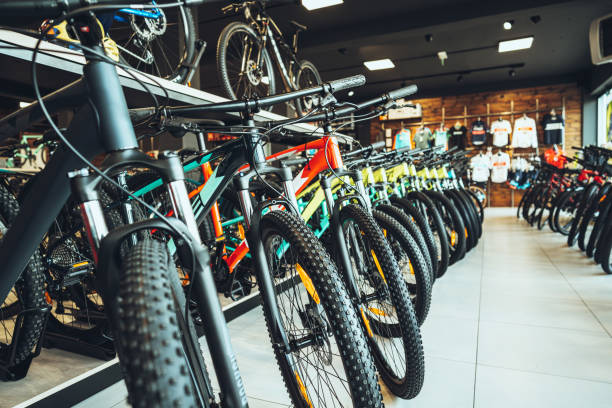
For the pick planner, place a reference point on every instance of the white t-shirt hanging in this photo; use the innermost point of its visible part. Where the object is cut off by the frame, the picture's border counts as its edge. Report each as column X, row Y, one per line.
column 501, row 129
column 480, row 167
column 525, row 133
column 500, row 163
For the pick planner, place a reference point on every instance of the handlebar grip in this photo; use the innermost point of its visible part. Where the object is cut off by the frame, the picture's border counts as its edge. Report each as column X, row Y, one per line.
column 347, row 83
column 378, row 145
column 403, row 92
column 402, row 149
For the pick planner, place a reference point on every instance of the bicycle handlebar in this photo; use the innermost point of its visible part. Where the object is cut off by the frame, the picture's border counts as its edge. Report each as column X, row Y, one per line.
column 252, row 105
column 367, row 149
column 402, row 92
column 327, row 116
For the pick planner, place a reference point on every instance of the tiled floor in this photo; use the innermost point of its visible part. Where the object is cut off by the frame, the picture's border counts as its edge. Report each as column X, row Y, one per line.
column 522, row 321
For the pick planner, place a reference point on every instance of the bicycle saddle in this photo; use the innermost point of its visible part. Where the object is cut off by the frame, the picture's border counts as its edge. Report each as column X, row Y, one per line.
column 298, row 26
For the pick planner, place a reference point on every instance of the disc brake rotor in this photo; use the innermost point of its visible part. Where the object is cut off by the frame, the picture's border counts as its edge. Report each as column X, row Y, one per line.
column 147, row 29
column 253, row 73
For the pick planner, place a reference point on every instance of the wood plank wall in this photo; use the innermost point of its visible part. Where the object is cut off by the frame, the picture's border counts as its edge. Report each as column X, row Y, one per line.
column 461, row 107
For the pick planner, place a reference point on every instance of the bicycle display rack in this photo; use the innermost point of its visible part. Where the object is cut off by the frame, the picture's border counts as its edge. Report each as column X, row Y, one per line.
column 9, row 371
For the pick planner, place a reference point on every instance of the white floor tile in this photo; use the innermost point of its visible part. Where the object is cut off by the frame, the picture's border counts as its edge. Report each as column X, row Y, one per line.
column 503, row 388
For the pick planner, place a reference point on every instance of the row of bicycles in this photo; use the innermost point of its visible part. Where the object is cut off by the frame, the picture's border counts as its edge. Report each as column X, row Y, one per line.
column 343, row 243
column 575, row 202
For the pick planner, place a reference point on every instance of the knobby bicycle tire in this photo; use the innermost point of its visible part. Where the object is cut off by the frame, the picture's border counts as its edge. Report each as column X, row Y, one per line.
column 410, row 260
column 147, row 334
column 595, row 205
column 28, row 292
column 600, row 224
column 316, row 268
column 403, row 381
column 454, row 222
column 587, row 194
column 413, row 229
column 431, row 225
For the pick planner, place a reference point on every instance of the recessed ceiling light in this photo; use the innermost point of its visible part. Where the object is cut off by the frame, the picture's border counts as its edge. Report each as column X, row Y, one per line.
column 317, row 4
column 514, row 45
column 508, row 24
column 512, row 73
column 351, row 93
column 379, row 64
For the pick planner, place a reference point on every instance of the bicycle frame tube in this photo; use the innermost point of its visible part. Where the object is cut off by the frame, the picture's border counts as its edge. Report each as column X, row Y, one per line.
column 142, row 13
column 287, row 80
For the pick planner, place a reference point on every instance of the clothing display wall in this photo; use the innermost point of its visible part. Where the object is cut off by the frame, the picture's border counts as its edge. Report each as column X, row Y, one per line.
column 480, row 111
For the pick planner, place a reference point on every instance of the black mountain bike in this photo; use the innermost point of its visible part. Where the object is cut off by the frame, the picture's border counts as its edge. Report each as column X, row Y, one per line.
column 244, row 61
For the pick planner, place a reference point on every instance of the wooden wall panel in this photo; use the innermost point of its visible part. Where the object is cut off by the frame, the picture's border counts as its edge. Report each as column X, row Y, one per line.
column 542, row 98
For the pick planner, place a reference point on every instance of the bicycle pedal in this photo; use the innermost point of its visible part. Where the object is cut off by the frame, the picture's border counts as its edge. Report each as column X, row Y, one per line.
column 76, row 272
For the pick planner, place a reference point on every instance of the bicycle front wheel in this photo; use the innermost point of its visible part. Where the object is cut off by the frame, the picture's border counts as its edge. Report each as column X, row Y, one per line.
column 244, row 65
column 327, row 363
column 386, row 309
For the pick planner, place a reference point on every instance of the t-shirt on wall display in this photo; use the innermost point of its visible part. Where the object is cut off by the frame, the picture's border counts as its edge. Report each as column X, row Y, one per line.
column 553, row 126
column 457, row 135
column 479, row 132
column 402, row 139
column 500, row 163
column 501, row 130
column 525, row 132
column 422, row 138
column 480, row 164
column 441, row 136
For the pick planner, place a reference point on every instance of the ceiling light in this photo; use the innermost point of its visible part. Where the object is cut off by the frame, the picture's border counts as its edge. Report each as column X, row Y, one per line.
column 317, row 4
column 351, row 93
column 379, row 64
column 508, row 24
column 514, row 45
column 512, row 73
column 23, row 104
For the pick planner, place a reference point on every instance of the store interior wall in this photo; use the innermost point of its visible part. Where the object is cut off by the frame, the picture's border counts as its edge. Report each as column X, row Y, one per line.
column 451, row 109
